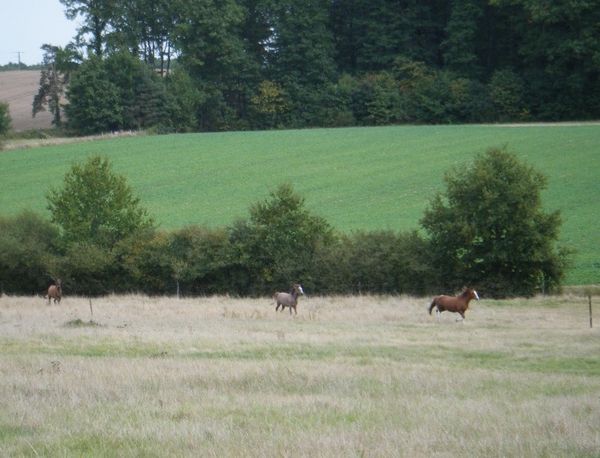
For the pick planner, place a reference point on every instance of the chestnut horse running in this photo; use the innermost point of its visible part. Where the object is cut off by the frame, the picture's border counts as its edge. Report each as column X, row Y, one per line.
column 457, row 304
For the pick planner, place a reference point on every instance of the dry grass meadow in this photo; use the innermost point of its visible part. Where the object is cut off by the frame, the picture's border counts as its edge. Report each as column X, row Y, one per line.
column 348, row 376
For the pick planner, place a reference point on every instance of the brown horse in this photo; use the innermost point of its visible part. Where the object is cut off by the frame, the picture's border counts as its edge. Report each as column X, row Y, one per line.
column 55, row 291
column 290, row 299
column 457, row 304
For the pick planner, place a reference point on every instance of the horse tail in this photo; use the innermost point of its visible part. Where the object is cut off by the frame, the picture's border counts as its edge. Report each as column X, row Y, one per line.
column 432, row 306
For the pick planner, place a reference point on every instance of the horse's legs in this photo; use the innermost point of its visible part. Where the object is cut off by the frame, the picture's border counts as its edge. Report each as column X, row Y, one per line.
column 462, row 318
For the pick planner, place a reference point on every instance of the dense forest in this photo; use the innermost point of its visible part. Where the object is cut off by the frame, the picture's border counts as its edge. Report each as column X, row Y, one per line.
column 184, row 65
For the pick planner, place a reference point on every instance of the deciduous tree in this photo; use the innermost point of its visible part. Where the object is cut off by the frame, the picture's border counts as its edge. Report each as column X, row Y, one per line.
column 279, row 240
column 95, row 205
column 488, row 228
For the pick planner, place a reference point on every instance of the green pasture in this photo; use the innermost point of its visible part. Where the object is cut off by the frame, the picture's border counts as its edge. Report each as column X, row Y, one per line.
column 356, row 178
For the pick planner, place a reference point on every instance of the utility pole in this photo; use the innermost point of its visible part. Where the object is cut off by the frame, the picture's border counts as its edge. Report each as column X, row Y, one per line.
column 18, row 53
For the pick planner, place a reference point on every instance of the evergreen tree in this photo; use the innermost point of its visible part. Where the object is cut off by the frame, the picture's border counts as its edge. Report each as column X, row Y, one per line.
column 57, row 67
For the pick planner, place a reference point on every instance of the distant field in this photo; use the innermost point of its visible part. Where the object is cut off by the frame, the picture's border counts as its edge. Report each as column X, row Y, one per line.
column 18, row 88
column 357, row 178
column 349, row 376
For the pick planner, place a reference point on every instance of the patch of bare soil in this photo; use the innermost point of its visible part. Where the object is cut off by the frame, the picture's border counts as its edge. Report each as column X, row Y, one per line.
column 18, row 88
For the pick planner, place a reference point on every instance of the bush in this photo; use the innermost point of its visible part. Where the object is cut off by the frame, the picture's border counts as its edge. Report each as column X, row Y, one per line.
column 507, row 92
column 379, row 262
column 28, row 254
column 86, row 269
column 4, row 118
column 201, row 261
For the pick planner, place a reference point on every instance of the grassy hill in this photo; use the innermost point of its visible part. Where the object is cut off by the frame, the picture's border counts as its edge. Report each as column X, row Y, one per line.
column 357, row 178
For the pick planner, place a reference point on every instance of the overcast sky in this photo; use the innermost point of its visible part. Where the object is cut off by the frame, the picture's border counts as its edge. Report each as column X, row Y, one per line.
column 25, row 25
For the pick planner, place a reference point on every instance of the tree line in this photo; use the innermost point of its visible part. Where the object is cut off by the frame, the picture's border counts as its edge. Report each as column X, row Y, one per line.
column 487, row 229
column 256, row 64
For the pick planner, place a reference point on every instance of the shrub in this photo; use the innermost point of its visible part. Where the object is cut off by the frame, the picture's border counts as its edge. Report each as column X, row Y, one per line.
column 28, row 253
column 507, row 91
column 4, row 118
column 382, row 262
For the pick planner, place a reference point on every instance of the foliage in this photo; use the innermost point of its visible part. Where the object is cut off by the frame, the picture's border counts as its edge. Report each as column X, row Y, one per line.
column 488, row 229
column 507, row 93
column 202, row 261
column 213, row 178
column 57, row 66
column 86, row 269
column 4, row 118
column 186, row 100
column 144, row 262
column 301, row 60
column 95, row 18
column 381, row 262
column 96, row 206
column 216, row 58
column 28, row 250
column 237, row 52
column 269, row 104
column 279, row 240
column 145, row 28
column 459, row 48
column 143, row 98
column 93, row 100
column 122, row 93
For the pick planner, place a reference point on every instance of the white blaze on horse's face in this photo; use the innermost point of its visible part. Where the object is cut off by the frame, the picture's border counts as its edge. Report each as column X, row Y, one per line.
column 476, row 295
column 300, row 289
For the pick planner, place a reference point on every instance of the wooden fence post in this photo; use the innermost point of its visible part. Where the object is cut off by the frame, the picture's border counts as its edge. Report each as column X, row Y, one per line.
column 590, row 304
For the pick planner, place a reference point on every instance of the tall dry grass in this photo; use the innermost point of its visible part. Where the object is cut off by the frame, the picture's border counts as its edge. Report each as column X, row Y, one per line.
column 348, row 376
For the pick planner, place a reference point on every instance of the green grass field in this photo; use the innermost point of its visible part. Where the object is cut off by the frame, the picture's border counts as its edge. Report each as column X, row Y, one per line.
column 348, row 376
column 357, row 178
